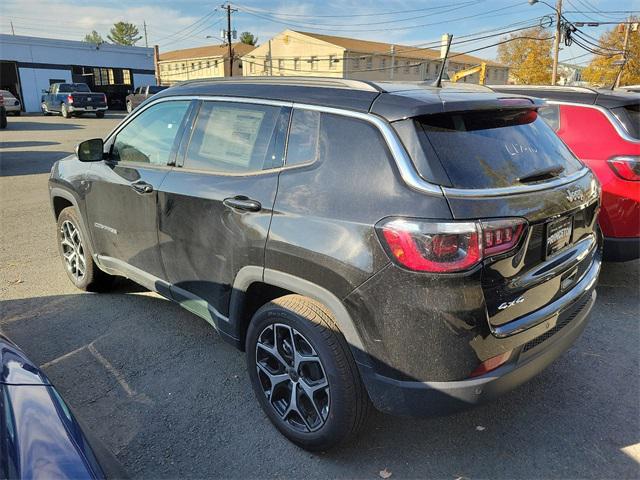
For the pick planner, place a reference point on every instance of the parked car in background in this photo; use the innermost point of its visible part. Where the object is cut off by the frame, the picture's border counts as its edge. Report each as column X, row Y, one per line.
column 73, row 99
column 40, row 437
column 602, row 127
column 140, row 94
column 3, row 112
column 361, row 242
column 11, row 103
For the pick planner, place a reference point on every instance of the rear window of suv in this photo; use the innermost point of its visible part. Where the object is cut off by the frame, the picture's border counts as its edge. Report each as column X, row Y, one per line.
column 629, row 117
column 492, row 149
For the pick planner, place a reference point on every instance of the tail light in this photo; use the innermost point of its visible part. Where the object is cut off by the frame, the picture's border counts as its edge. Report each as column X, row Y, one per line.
column 70, row 98
column 104, row 98
column 445, row 247
column 627, row 167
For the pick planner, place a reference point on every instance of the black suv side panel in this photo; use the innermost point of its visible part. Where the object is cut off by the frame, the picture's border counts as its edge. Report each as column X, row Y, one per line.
column 322, row 227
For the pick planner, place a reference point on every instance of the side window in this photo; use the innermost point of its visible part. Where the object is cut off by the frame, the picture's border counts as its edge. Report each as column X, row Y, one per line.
column 551, row 115
column 235, row 138
column 303, row 137
column 150, row 137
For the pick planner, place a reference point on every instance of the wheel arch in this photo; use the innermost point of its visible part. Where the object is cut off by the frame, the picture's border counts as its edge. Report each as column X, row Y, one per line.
column 255, row 286
column 61, row 199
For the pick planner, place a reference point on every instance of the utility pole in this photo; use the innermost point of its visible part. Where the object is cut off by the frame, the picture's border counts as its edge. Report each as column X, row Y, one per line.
column 156, row 59
column 228, row 8
column 146, row 42
column 393, row 60
column 556, row 42
column 13, row 32
column 625, row 45
column 270, row 60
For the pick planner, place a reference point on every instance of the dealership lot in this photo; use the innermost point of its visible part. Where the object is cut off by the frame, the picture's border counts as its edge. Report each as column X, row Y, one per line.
column 171, row 399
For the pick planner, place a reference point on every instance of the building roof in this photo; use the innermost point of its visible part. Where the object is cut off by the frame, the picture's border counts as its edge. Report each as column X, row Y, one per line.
column 367, row 46
column 239, row 49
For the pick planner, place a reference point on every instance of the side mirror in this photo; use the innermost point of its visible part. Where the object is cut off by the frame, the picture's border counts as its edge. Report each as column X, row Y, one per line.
column 90, row 150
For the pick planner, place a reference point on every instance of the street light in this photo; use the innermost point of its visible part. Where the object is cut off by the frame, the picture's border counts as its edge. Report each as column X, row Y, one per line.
column 556, row 40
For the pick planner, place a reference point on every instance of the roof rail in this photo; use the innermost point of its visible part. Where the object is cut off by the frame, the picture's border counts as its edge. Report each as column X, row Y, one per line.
column 562, row 88
column 329, row 82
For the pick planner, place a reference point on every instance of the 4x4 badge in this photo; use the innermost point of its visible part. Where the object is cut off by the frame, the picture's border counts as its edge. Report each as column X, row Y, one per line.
column 573, row 195
column 504, row 305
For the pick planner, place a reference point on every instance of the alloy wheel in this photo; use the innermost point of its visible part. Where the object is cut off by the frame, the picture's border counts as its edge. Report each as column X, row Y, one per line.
column 73, row 250
column 292, row 377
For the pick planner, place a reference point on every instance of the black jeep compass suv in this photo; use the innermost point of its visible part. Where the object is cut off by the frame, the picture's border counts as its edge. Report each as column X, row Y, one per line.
column 414, row 248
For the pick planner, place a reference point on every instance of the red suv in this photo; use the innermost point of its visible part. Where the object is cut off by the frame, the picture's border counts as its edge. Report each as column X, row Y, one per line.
column 602, row 127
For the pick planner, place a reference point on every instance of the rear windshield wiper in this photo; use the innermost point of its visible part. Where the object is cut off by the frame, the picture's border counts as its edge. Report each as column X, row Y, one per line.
column 542, row 174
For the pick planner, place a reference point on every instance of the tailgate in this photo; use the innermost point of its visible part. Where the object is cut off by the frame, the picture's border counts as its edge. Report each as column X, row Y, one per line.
column 554, row 253
column 88, row 100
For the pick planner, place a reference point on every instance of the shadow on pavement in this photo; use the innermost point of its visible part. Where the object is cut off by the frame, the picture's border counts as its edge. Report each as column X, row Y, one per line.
column 40, row 126
column 28, row 162
column 26, row 144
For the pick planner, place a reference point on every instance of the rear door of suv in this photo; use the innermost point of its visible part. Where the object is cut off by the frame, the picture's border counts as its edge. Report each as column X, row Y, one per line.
column 507, row 163
column 215, row 206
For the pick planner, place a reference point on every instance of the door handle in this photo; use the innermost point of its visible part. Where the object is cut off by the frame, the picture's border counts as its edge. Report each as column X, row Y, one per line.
column 142, row 187
column 240, row 202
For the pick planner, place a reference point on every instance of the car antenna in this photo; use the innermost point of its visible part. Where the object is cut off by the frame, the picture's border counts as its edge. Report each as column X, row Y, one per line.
column 438, row 82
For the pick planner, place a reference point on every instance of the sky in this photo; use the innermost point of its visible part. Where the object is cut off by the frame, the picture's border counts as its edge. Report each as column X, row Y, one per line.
column 177, row 24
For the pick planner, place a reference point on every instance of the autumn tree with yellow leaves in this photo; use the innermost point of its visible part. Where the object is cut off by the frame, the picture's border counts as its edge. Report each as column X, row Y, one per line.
column 528, row 55
column 602, row 71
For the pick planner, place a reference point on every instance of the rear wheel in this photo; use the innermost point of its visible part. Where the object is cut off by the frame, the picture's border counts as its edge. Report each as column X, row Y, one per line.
column 65, row 111
column 304, row 375
column 100, row 114
column 76, row 255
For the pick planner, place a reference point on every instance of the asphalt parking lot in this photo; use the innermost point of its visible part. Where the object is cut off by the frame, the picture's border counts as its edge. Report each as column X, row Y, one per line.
column 172, row 400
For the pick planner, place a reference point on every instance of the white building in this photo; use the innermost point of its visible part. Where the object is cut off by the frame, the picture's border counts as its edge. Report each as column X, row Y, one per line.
column 28, row 65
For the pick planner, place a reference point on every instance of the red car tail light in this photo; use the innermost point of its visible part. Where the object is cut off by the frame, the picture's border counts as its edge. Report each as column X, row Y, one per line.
column 446, row 247
column 70, row 98
column 104, row 98
column 627, row 167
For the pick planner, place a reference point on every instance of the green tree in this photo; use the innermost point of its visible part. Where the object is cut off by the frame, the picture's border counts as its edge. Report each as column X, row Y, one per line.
column 93, row 37
column 248, row 38
column 602, row 71
column 124, row 33
column 528, row 55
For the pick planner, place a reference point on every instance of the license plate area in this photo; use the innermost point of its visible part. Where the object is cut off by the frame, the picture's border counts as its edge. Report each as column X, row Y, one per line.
column 89, row 108
column 558, row 235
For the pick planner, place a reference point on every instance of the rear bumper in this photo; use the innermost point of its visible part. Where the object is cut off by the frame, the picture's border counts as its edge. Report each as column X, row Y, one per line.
column 621, row 249
column 413, row 398
column 85, row 109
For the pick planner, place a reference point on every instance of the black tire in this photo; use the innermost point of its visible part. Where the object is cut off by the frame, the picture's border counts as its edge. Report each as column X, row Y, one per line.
column 64, row 111
column 93, row 279
column 17, row 113
column 129, row 107
column 99, row 114
column 345, row 398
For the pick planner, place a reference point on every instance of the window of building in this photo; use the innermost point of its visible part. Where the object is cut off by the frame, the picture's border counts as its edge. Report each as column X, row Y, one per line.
column 383, row 63
column 304, row 132
column 126, row 77
column 280, row 64
column 234, row 137
column 356, row 63
column 332, row 62
column 296, row 63
column 370, row 62
column 406, row 66
column 150, row 137
column 314, row 63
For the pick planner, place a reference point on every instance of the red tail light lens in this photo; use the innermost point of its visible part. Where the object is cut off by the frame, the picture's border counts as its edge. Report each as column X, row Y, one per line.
column 104, row 98
column 70, row 98
column 446, row 247
column 627, row 167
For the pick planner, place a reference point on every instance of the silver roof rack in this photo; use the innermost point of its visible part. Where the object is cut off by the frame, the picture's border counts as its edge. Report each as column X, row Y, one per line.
column 327, row 82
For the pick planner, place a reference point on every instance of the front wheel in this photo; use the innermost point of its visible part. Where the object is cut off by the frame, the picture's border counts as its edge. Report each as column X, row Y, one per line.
column 45, row 110
column 129, row 107
column 65, row 111
column 304, row 375
column 17, row 113
column 76, row 255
